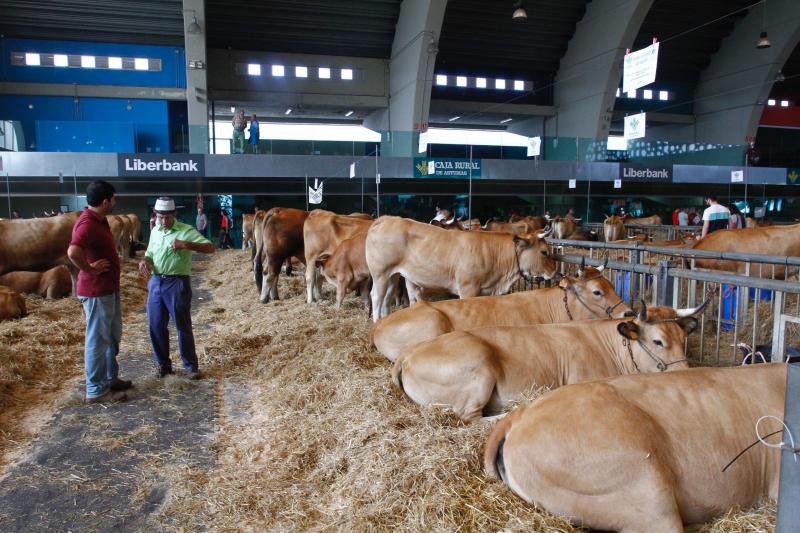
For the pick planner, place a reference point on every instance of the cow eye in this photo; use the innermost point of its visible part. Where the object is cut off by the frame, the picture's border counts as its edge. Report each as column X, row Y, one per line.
column 597, row 293
column 544, row 253
column 658, row 343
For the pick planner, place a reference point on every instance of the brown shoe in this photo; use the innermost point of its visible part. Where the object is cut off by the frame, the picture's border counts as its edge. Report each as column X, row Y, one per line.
column 109, row 397
column 121, row 384
column 194, row 375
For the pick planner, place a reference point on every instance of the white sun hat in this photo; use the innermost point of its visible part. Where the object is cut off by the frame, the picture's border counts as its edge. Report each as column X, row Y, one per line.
column 165, row 204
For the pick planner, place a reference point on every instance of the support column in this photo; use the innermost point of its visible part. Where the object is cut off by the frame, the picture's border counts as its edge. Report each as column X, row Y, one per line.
column 588, row 78
column 196, row 76
column 410, row 74
column 733, row 89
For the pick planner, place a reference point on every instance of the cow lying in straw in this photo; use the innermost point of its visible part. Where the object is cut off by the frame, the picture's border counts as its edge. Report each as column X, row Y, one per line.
column 645, row 453
column 54, row 283
column 586, row 296
column 478, row 372
column 12, row 305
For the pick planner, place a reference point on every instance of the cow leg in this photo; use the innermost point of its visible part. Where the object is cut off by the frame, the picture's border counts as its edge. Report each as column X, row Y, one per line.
column 414, row 292
column 364, row 292
column 310, row 276
column 73, row 274
column 380, row 286
column 318, row 285
column 468, row 291
column 288, row 266
column 342, row 282
column 269, row 285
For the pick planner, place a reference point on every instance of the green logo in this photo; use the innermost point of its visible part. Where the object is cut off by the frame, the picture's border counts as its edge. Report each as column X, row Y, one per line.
column 422, row 167
column 793, row 176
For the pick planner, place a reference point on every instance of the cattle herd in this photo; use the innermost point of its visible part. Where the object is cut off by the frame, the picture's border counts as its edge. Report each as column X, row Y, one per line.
column 627, row 438
column 33, row 257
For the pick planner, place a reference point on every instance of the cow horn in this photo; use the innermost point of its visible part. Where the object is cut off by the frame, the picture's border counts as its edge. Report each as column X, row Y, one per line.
column 547, row 231
column 583, row 265
column 605, row 263
column 690, row 311
column 643, row 312
column 577, row 219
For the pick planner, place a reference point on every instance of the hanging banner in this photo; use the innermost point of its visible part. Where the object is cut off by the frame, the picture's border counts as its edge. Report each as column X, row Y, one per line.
column 737, row 176
column 534, row 146
column 573, row 184
column 617, row 184
column 447, row 168
column 635, row 126
column 640, row 68
column 315, row 195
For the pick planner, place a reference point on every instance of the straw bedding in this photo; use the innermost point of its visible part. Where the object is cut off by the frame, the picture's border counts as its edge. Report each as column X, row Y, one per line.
column 327, row 442
column 42, row 353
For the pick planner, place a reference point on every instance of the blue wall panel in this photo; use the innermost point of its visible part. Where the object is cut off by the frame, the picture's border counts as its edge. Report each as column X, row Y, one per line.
column 71, row 136
column 172, row 74
column 148, row 119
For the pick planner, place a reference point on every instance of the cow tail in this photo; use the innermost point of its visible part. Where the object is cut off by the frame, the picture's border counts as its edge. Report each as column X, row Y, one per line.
column 493, row 451
column 258, row 266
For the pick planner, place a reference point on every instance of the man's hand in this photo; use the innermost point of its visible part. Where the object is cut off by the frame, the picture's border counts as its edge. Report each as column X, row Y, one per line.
column 144, row 268
column 178, row 244
column 100, row 266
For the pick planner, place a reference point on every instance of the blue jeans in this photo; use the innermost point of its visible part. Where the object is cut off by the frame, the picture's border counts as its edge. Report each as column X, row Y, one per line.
column 171, row 296
column 103, row 333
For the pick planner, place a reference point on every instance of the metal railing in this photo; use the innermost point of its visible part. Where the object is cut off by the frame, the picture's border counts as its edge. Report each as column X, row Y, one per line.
column 756, row 301
column 654, row 232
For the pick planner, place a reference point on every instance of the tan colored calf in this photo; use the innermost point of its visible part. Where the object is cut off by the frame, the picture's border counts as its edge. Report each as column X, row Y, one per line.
column 12, row 305
column 645, row 453
column 478, row 372
column 613, row 229
column 587, row 296
column 346, row 268
column 54, row 283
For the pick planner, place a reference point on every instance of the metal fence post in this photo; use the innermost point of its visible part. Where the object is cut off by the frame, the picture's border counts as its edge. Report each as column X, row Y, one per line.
column 788, row 510
column 635, row 259
column 663, row 281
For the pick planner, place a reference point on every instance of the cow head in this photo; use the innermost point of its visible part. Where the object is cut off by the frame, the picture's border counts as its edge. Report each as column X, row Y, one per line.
column 594, row 295
column 533, row 256
column 656, row 337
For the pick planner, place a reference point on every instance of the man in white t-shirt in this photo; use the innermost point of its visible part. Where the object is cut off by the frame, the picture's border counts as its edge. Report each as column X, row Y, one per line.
column 715, row 217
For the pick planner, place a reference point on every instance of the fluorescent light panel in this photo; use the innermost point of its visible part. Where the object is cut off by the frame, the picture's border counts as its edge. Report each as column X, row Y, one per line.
column 254, row 69
column 461, row 81
column 480, row 83
column 647, row 94
column 347, row 73
column 278, row 71
column 141, row 63
column 115, row 63
column 60, row 60
column 324, row 73
column 771, row 102
column 441, row 79
column 499, row 84
column 784, row 103
column 663, row 96
column 519, row 85
column 301, row 72
column 33, row 60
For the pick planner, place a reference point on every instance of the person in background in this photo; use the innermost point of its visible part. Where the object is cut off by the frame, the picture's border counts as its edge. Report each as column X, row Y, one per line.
column 202, row 221
column 675, row 215
column 15, row 214
column 93, row 250
column 152, row 220
column 696, row 218
column 715, row 217
column 169, row 292
column 239, row 123
column 224, row 230
column 683, row 217
column 736, row 220
column 570, row 213
column 254, row 135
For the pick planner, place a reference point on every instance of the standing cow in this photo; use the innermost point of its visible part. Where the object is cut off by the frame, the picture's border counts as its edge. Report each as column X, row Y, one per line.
column 323, row 231
column 645, row 453
column 346, row 268
column 564, row 227
column 281, row 239
column 465, row 263
column 613, row 228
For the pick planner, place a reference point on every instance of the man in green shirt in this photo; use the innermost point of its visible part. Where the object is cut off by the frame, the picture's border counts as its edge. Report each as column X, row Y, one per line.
column 169, row 259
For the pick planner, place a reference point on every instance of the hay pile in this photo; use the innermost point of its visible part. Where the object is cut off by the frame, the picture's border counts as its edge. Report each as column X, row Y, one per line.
column 42, row 354
column 328, row 443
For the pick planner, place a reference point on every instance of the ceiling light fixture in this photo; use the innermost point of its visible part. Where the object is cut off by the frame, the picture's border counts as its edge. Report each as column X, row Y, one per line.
column 506, row 120
column 779, row 76
column 348, row 113
column 288, row 111
column 233, row 109
column 193, row 27
column 763, row 39
column 519, row 14
column 453, row 119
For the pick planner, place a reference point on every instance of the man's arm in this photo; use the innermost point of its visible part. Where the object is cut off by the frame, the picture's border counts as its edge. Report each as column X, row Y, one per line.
column 705, row 228
column 200, row 247
column 78, row 258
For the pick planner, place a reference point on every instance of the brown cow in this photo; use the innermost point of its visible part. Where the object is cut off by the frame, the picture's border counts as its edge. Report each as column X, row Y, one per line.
column 322, row 233
column 448, row 224
column 582, row 234
column 481, row 371
column 258, row 227
column 769, row 240
column 466, row 263
column 346, row 268
column 248, row 220
column 563, row 227
column 653, row 219
column 363, row 216
column 120, row 229
column 613, row 228
column 645, row 453
column 36, row 243
column 588, row 296
column 12, row 305
column 282, row 238
column 54, row 283
column 514, row 228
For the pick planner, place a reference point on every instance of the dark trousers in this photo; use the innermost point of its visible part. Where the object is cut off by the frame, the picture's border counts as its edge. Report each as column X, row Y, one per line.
column 171, row 296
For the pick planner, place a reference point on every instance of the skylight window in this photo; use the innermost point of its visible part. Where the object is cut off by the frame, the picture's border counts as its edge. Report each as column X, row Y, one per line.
column 33, row 60
column 631, row 94
column 60, row 60
column 663, row 95
column 461, row 81
column 771, row 102
column 301, row 72
column 278, row 71
column 347, row 74
column 480, row 83
column 254, row 69
column 141, row 63
column 115, row 63
column 499, row 84
column 519, row 85
column 784, row 103
column 324, row 73
column 441, row 79
column 647, row 94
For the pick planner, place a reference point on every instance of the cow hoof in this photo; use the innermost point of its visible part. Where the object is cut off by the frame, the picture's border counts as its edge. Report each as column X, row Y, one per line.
column 263, row 301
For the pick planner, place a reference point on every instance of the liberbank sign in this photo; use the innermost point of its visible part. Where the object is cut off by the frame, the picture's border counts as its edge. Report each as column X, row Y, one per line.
column 166, row 165
column 645, row 174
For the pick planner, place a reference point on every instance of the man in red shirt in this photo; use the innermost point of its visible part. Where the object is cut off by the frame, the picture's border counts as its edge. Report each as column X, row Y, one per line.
column 93, row 250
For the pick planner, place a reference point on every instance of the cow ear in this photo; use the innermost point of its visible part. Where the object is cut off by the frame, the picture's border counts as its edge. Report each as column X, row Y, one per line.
column 322, row 259
column 689, row 324
column 521, row 242
column 629, row 330
column 565, row 282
